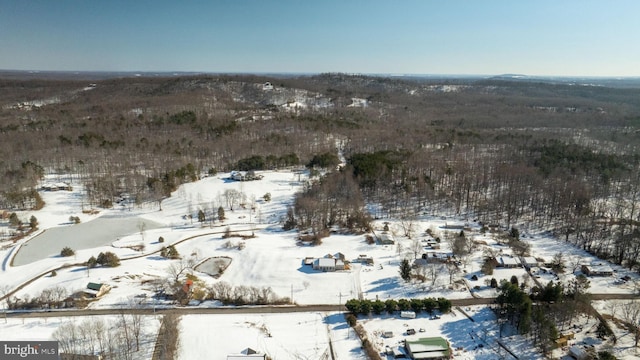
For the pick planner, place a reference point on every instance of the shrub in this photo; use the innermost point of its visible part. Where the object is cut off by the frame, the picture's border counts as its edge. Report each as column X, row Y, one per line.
column 74, row 219
column 351, row 319
column 370, row 240
column 33, row 222
column 160, row 239
column 172, row 253
column 67, row 251
column 53, row 273
column 108, row 259
column 92, row 262
column 266, row 197
column 14, row 220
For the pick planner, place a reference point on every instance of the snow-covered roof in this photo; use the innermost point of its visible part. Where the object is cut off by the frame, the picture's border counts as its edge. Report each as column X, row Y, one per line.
column 326, row 262
column 509, row 261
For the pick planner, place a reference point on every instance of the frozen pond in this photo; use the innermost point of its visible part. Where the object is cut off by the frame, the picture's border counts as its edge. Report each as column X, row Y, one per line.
column 214, row 266
column 99, row 232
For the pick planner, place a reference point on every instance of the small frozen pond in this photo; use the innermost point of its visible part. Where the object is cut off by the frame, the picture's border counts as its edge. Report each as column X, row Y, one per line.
column 99, row 232
column 214, row 266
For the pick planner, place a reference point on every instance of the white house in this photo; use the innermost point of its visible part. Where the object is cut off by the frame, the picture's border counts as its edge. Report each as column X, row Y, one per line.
column 578, row 353
column 509, row 262
column 529, row 262
column 325, row 264
column 386, row 239
column 329, row 262
column 597, row 269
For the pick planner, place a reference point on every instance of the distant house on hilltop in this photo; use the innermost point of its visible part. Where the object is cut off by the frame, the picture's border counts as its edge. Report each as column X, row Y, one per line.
column 57, row 187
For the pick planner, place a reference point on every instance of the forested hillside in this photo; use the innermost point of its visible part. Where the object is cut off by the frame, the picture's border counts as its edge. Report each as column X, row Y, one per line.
column 557, row 155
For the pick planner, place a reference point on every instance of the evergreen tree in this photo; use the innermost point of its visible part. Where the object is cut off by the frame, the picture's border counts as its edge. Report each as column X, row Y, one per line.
column 33, row 222
column 405, row 270
column 172, row 253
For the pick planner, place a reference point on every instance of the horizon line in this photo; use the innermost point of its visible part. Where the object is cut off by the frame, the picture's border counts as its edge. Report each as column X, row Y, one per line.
column 295, row 73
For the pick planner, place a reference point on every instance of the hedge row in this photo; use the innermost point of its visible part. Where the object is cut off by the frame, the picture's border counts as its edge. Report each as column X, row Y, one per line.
column 365, row 307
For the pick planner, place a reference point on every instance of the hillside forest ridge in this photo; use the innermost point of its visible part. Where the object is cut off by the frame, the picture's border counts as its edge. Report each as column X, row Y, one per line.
column 560, row 156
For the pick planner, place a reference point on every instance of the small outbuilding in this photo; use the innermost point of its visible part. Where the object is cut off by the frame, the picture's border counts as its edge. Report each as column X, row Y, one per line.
column 96, row 290
column 578, row 353
column 247, row 353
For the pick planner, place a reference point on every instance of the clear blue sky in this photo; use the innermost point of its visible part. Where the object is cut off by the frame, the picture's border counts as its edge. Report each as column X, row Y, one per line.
column 535, row 37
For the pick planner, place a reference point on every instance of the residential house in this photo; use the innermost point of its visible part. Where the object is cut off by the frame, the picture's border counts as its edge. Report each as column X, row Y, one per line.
column 509, row 262
column 597, row 269
column 324, row 264
column 96, row 290
column 329, row 263
column 364, row 259
column 433, row 348
column 386, row 239
column 529, row 262
column 57, row 187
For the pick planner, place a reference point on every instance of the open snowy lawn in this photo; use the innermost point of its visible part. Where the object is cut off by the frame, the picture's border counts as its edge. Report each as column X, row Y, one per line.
column 280, row 336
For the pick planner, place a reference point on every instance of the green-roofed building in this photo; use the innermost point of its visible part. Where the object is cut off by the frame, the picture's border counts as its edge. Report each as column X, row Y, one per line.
column 428, row 348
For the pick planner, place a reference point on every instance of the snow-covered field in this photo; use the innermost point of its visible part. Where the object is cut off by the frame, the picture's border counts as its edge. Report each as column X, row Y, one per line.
column 273, row 258
column 280, row 336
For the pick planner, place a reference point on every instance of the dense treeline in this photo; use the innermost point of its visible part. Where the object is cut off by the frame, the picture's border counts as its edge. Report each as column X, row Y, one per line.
column 551, row 155
column 429, row 305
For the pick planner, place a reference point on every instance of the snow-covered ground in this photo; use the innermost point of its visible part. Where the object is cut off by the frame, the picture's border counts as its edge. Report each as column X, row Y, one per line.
column 273, row 258
column 280, row 336
column 42, row 329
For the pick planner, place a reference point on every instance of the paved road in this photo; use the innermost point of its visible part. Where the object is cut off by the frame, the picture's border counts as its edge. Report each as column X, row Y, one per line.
column 247, row 309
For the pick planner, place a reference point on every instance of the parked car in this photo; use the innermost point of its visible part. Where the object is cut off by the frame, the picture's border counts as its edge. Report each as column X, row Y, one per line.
column 411, row 331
